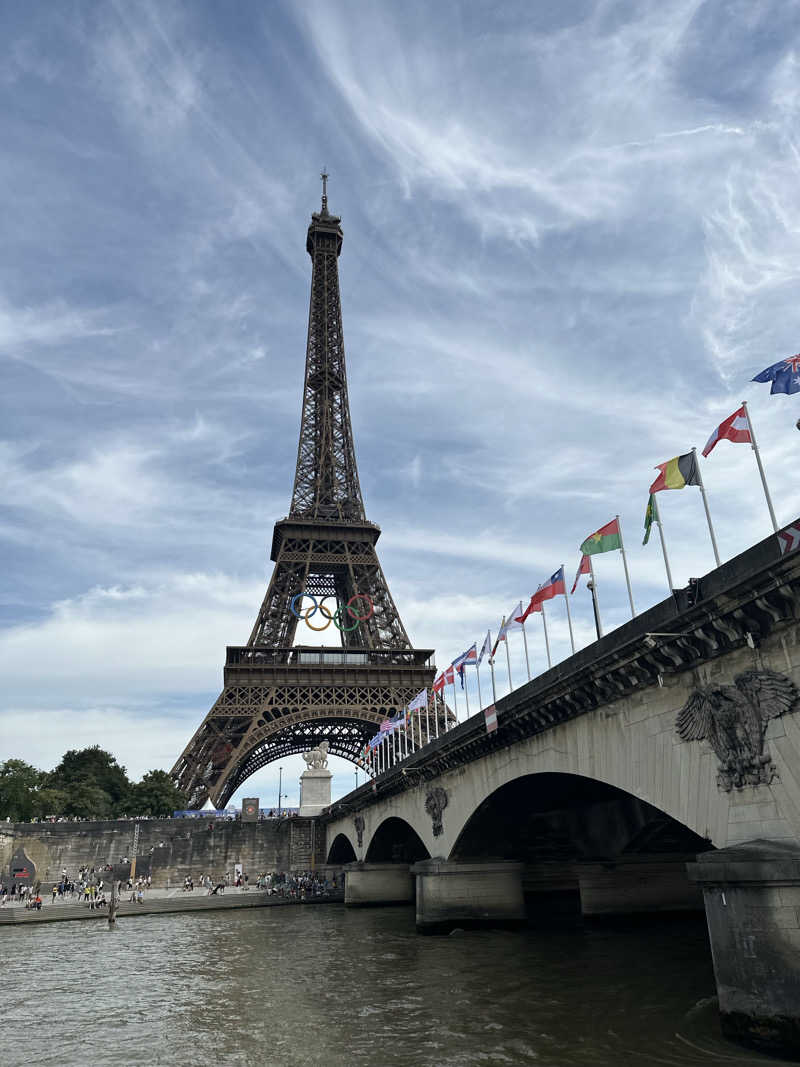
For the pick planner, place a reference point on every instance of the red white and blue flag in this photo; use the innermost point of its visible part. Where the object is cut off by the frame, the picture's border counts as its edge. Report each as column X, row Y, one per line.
column 470, row 657
column 735, row 428
column 784, row 375
column 554, row 586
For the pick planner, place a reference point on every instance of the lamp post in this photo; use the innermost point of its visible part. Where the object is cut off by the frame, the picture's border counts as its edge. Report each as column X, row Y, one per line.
column 280, row 786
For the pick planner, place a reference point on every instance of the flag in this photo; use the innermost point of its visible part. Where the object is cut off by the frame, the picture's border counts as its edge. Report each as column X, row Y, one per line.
column 583, row 568
column 486, row 647
column 449, row 675
column 649, row 517
column 490, row 715
column 554, row 586
column 470, row 656
column 460, row 662
column 501, row 636
column 419, row 701
column 676, row 473
column 606, row 539
column 438, row 684
column 735, row 428
column 514, row 618
column 784, row 375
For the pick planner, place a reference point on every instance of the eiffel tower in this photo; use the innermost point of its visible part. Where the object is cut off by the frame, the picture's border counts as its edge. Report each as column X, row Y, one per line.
column 281, row 698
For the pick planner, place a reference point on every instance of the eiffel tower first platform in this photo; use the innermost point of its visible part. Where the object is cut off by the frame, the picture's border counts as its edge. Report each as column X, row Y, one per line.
column 281, row 698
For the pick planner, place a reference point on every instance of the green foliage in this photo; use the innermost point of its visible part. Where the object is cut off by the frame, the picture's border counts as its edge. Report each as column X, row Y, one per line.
column 19, row 782
column 96, row 784
column 88, row 783
column 156, row 794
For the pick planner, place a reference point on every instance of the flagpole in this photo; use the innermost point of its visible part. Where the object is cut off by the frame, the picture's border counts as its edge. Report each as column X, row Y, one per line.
column 427, row 722
column 546, row 638
column 663, row 542
column 754, row 446
column 455, row 697
column 569, row 616
column 436, row 716
column 466, row 691
column 478, row 676
column 595, row 602
column 705, row 505
column 491, row 667
column 625, row 565
column 508, row 661
column 525, row 642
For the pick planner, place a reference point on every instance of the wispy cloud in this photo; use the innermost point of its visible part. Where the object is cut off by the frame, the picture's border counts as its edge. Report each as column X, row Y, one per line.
column 571, row 238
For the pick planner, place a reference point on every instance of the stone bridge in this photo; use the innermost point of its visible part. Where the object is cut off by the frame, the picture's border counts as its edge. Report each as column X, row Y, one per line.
column 656, row 768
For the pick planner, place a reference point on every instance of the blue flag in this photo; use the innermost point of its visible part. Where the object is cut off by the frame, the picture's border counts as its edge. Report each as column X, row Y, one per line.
column 784, row 375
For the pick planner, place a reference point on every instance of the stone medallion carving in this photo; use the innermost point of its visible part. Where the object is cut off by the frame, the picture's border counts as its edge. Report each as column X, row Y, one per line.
column 435, row 803
column 358, row 822
column 734, row 719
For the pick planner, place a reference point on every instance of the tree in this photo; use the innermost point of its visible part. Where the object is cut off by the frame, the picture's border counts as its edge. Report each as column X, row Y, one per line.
column 84, row 774
column 156, row 794
column 18, row 784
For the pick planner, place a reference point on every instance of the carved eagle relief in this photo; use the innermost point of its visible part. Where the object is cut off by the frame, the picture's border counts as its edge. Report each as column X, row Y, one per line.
column 733, row 718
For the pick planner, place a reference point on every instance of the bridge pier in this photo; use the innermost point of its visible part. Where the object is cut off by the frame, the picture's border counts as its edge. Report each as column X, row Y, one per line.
column 451, row 895
column 637, row 884
column 374, row 884
column 752, row 900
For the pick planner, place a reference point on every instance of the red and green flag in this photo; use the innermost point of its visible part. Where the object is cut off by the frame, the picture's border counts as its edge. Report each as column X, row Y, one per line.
column 606, row 539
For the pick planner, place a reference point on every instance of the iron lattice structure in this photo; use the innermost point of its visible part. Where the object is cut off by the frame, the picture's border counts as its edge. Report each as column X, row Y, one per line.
column 280, row 698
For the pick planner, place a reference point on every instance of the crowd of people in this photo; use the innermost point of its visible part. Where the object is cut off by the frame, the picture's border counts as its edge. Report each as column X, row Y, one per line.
column 89, row 886
column 300, row 885
column 24, row 894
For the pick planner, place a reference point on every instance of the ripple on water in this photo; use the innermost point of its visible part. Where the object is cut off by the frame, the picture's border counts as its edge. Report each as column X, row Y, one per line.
column 358, row 988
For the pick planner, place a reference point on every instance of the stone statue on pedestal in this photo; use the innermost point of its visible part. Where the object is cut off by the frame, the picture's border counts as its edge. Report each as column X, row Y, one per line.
column 315, row 781
column 318, row 757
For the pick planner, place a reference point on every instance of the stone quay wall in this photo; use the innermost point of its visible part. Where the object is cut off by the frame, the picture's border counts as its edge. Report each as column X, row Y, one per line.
column 168, row 849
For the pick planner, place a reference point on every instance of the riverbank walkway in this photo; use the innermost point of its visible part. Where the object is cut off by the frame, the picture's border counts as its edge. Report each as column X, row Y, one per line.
column 160, row 901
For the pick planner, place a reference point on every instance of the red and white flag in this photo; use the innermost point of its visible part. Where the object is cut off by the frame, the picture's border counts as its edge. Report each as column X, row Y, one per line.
column 735, row 428
column 582, row 569
column 490, row 715
column 438, row 684
column 449, row 675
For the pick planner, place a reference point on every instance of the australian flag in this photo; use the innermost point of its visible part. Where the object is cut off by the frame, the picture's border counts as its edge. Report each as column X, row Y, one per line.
column 784, row 375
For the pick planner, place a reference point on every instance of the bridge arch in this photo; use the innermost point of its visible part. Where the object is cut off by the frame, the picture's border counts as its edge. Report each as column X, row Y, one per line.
column 341, row 850
column 395, row 841
column 556, row 816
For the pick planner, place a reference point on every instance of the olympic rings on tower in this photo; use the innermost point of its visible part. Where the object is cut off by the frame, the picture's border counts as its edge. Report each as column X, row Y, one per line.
column 335, row 617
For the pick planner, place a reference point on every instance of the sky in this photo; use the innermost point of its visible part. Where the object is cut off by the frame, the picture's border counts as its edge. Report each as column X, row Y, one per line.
column 571, row 238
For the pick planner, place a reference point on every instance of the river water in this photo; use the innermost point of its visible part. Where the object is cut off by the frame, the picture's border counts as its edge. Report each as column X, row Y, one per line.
column 326, row 985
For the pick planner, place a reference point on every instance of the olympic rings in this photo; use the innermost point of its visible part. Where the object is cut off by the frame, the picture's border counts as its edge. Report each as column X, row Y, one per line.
column 334, row 617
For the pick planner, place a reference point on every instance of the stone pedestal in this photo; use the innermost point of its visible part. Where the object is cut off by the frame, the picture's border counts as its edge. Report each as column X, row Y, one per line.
column 468, row 895
column 752, row 900
column 315, row 791
column 372, row 884
column 634, row 885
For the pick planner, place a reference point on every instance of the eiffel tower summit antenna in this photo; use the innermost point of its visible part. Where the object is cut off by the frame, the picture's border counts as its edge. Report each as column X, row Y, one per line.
column 280, row 697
